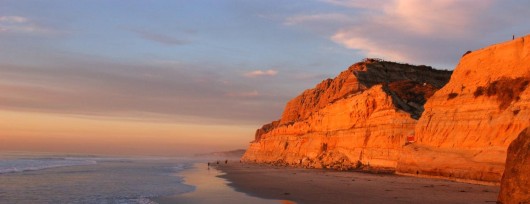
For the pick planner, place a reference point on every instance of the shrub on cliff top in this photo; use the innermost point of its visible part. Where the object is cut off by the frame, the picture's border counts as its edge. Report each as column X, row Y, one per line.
column 507, row 90
column 451, row 96
column 479, row 91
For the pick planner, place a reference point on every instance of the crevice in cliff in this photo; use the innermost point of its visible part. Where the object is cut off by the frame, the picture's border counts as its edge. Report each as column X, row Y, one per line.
column 409, row 96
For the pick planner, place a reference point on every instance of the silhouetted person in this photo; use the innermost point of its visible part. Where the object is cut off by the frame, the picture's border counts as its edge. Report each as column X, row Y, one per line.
column 226, row 161
column 217, row 162
column 513, row 37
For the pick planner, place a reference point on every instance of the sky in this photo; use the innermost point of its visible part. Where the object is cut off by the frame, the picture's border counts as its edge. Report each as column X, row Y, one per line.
column 148, row 77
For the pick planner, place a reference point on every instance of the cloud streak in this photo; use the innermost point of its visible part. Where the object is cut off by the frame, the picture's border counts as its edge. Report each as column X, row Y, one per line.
column 160, row 38
column 261, row 73
column 13, row 19
column 318, row 18
column 435, row 32
column 93, row 87
column 19, row 24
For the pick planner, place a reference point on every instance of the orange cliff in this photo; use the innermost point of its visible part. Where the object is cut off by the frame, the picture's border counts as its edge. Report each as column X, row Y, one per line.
column 515, row 185
column 361, row 118
column 467, row 125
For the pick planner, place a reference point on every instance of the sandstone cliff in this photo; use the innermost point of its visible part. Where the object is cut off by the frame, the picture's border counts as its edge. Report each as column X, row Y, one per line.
column 515, row 185
column 467, row 125
column 358, row 119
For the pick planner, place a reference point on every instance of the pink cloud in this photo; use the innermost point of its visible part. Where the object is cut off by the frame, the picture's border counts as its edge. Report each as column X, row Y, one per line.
column 259, row 73
column 390, row 27
column 13, row 19
column 434, row 32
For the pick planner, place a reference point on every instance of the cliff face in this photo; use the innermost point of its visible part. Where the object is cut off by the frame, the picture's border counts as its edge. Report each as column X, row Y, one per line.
column 358, row 119
column 515, row 185
column 357, row 78
column 467, row 125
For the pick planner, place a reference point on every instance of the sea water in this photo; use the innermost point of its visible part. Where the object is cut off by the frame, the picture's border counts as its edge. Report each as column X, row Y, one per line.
column 46, row 178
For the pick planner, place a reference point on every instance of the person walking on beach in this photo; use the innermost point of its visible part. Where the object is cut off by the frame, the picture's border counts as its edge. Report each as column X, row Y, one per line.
column 226, row 161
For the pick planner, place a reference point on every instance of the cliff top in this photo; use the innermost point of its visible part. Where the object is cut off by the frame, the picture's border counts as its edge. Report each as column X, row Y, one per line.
column 361, row 76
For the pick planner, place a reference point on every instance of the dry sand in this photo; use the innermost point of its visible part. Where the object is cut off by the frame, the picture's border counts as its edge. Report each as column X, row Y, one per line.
column 326, row 186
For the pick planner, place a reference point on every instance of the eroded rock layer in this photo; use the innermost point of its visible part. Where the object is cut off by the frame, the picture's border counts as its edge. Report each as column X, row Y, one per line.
column 358, row 119
column 515, row 185
column 467, row 125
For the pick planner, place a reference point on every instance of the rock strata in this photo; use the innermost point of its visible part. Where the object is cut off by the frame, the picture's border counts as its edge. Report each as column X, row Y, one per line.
column 467, row 125
column 409, row 119
column 357, row 120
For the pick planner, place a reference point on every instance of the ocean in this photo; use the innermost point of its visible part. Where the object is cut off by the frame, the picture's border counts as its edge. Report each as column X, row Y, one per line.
column 48, row 178
column 36, row 178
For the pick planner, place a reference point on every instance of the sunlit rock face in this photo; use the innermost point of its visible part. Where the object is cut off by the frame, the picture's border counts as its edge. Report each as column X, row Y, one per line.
column 359, row 119
column 467, row 125
column 515, row 185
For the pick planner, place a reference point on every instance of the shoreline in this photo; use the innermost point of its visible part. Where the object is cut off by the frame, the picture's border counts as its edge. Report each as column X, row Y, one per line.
column 328, row 186
column 210, row 187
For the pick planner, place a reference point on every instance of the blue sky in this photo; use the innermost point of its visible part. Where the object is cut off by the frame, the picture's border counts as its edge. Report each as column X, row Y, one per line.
column 220, row 42
column 231, row 62
column 211, row 48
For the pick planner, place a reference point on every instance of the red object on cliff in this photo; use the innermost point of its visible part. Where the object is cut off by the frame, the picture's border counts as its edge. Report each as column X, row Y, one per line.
column 410, row 139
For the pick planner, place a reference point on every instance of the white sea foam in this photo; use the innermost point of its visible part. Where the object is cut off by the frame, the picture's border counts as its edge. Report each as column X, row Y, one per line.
column 19, row 165
column 180, row 167
column 120, row 180
column 134, row 201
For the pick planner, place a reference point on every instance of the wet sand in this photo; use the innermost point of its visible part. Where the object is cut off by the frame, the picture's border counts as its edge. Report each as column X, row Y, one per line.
column 210, row 189
column 327, row 186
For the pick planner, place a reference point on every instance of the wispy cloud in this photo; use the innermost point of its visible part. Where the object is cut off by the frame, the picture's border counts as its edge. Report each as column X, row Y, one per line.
column 20, row 24
column 13, row 19
column 175, row 92
column 253, row 93
column 260, row 73
column 318, row 18
column 159, row 37
column 433, row 32
column 408, row 30
column 358, row 3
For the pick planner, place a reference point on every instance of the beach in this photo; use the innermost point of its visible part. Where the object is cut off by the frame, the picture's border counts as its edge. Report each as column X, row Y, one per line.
column 328, row 186
column 209, row 188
